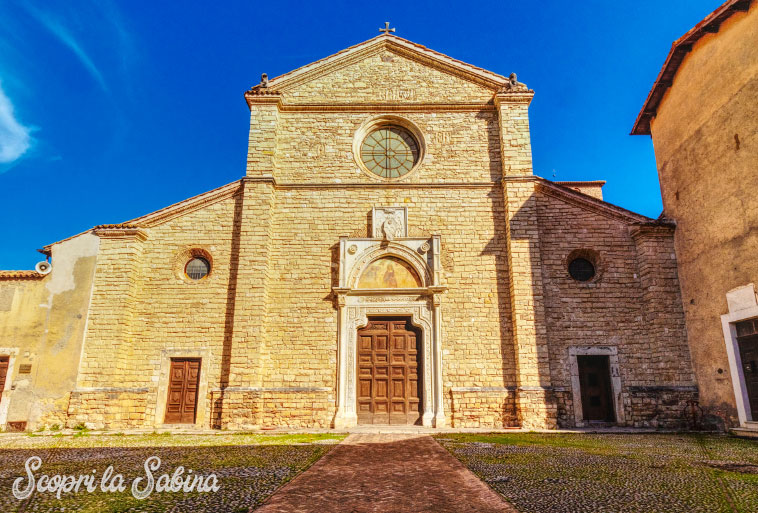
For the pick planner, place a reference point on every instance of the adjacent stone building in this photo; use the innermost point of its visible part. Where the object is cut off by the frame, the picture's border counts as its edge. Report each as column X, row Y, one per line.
column 702, row 114
column 389, row 257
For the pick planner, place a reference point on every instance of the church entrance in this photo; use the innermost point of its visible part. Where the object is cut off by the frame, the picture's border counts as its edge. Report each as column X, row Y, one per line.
column 388, row 372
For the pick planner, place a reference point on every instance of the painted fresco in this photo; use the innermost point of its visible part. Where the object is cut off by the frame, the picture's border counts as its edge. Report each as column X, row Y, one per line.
column 389, row 273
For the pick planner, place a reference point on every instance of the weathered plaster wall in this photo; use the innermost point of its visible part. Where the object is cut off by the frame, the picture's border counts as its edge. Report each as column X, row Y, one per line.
column 45, row 322
column 706, row 145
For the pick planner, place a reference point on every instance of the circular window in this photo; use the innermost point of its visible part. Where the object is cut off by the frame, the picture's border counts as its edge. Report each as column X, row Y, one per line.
column 390, row 152
column 197, row 268
column 581, row 269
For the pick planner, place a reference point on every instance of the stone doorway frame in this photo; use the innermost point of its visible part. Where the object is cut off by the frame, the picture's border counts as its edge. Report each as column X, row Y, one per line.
column 423, row 305
column 743, row 306
column 576, row 393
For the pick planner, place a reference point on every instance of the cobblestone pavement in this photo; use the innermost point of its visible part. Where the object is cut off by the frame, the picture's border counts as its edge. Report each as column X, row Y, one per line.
column 574, row 473
column 248, row 468
column 386, row 473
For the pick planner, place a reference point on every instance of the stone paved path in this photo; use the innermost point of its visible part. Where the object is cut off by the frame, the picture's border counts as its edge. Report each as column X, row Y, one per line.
column 386, row 473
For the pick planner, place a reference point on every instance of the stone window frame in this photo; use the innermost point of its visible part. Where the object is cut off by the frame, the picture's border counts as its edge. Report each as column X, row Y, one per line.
column 388, row 120
column 5, row 393
column 183, row 258
column 743, row 306
column 593, row 256
column 618, row 401
column 201, row 412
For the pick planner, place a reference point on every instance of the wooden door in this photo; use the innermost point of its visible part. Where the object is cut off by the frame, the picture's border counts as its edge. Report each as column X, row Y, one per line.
column 3, row 371
column 596, row 389
column 182, row 391
column 747, row 340
column 388, row 373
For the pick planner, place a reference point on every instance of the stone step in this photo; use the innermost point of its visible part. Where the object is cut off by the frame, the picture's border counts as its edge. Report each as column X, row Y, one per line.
column 746, row 432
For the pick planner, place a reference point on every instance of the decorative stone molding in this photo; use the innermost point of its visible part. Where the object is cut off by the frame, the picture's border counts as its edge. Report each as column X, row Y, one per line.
column 422, row 305
column 382, row 121
column 743, row 305
column 6, row 391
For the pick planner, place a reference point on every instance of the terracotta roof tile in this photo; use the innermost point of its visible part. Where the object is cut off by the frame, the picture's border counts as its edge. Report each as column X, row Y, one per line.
column 20, row 275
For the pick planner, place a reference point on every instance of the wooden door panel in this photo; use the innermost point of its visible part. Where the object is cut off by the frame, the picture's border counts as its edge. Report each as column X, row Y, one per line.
column 388, row 387
column 181, row 403
column 595, row 388
column 4, row 362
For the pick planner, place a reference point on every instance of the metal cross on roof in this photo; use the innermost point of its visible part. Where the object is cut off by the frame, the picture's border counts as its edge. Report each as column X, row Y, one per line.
column 386, row 28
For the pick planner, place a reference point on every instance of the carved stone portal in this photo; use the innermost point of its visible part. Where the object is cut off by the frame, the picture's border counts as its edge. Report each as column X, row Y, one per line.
column 422, row 303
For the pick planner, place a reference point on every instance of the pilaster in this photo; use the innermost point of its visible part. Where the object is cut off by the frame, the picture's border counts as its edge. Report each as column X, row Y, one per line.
column 536, row 404
column 244, row 354
column 264, row 123
column 110, row 326
column 515, row 140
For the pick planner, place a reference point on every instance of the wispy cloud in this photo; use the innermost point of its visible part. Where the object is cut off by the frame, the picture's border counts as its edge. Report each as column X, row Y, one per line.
column 15, row 138
column 67, row 38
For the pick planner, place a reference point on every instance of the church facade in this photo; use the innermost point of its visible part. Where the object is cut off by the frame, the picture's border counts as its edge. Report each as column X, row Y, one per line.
column 388, row 258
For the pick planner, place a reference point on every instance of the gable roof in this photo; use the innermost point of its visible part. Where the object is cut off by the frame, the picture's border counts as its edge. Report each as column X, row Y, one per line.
column 679, row 49
column 384, row 41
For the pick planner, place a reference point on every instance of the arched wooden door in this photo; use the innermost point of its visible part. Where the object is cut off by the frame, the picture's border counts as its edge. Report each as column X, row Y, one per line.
column 388, row 372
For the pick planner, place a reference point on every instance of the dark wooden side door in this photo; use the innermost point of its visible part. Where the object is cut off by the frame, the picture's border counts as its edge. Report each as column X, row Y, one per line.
column 3, row 371
column 747, row 340
column 388, row 372
column 182, row 391
column 596, row 389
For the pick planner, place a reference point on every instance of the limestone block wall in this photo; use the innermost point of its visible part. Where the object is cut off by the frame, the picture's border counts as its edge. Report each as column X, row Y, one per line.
column 317, row 146
column 374, row 77
column 472, row 407
column 631, row 305
column 302, row 321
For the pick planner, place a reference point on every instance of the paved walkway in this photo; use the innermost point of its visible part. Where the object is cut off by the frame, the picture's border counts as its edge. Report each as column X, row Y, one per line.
column 386, row 473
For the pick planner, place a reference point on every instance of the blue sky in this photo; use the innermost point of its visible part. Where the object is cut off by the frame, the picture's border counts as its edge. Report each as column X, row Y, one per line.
column 110, row 110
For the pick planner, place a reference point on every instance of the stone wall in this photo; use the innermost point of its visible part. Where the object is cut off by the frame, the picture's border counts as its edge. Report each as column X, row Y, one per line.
column 483, row 407
column 632, row 304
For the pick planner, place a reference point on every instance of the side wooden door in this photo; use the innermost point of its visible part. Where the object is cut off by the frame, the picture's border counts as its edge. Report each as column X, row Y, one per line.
column 596, row 390
column 182, row 391
column 3, row 371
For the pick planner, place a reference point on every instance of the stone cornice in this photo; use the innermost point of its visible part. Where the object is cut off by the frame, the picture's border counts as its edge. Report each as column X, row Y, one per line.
column 388, row 185
column 513, row 97
column 584, row 201
column 654, row 229
column 386, row 107
column 121, row 233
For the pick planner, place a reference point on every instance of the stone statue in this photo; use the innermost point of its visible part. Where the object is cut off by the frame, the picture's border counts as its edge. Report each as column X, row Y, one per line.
column 513, row 85
column 264, row 80
column 391, row 228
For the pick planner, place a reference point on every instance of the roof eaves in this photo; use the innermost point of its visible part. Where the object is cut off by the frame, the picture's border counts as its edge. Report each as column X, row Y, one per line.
column 679, row 49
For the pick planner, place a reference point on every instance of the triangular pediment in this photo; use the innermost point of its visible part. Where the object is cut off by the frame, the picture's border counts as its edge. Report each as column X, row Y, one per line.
column 387, row 69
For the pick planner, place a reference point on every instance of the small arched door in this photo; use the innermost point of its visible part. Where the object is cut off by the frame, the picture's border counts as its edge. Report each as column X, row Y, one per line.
column 389, row 388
